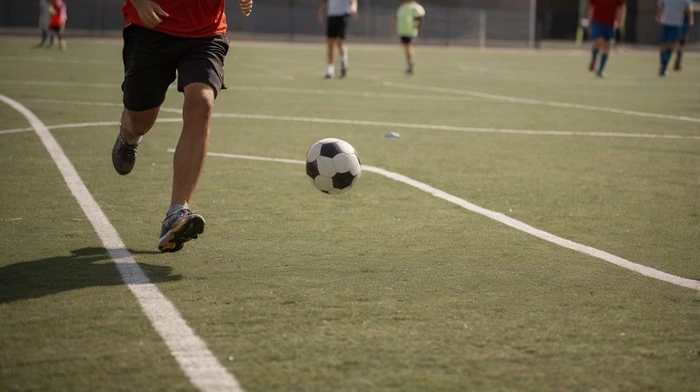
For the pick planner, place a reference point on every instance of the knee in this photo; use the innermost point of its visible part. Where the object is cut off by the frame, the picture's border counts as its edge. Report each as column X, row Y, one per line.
column 139, row 122
column 199, row 101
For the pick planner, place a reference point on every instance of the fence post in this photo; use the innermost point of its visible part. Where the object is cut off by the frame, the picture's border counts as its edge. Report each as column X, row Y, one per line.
column 482, row 28
column 533, row 22
column 291, row 20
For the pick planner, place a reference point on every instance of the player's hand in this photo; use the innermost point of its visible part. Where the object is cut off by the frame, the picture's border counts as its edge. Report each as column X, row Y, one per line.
column 150, row 13
column 246, row 6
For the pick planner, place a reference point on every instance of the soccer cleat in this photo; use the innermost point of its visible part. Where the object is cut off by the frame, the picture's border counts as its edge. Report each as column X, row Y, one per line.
column 123, row 155
column 663, row 72
column 179, row 228
column 329, row 76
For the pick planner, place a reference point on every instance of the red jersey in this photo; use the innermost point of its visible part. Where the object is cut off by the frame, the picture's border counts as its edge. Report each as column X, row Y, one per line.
column 605, row 11
column 188, row 18
column 60, row 14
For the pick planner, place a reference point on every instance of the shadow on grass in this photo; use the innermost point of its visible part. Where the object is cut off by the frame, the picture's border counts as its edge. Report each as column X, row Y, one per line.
column 86, row 267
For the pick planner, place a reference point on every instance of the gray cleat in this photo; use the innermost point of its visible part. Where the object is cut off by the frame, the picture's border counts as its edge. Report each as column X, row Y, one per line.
column 179, row 228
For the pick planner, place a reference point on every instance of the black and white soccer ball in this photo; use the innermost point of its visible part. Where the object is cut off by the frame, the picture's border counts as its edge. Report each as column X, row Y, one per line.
column 333, row 165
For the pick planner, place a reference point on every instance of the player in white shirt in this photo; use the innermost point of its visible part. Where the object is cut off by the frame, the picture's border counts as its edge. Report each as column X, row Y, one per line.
column 336, row 14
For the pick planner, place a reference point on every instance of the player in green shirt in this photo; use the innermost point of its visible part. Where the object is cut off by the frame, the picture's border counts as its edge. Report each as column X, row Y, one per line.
column 409, row 17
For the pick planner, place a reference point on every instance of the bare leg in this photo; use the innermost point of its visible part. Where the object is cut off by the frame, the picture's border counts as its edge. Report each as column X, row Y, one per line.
column 408, row 50
column 136, row 124
column 597, row 44
column 61, row 39
column 192, row 148
column 330, row 56
column 343, row 52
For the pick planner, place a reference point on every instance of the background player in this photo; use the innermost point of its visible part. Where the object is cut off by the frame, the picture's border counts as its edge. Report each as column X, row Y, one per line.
column 670, row 13
column 57, row 24
column 605, row 16
column 409, row 17
column 337, row 13
column 43, row 21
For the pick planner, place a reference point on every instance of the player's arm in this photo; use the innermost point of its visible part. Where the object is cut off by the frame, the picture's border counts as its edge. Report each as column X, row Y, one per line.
column 591, row 7
column 246, row 6
column 353, row 8
column 418, row 20
column 321, row 10
column 621, row 16
column 150, row 13
column 659, row 11
column 689, row 10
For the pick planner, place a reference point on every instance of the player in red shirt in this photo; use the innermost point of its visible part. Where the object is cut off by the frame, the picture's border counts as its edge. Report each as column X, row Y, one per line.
column 605, row 17
column 165, row 40
column 57, row 23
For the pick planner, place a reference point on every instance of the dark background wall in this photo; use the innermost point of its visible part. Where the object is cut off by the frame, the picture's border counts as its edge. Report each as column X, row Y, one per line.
column 449, row 21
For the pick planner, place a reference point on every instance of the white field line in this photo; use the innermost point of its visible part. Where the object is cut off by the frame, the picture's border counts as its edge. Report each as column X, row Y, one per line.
column 60, row 60
column 469, row 93
column 191, row 353
column 448, row 128
column 286, row 90
column 504, row 219
column 529, row 101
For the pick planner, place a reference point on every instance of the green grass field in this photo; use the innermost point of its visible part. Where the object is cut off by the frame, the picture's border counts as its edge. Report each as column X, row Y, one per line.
column 386, row 287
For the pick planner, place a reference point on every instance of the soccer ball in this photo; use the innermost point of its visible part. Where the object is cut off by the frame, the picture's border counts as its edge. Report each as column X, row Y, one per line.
column 333, row 165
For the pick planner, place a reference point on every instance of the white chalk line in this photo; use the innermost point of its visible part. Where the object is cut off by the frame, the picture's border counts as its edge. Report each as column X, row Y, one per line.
column 504, row 219
column 474, row 94
column 188, row 349
column 530, row 101
column 449, row 128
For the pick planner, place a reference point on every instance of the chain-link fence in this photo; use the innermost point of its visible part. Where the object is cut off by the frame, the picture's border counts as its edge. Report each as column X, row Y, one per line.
column 296, row 20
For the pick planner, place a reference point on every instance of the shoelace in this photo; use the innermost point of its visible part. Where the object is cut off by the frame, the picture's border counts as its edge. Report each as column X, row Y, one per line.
column 126, row 150
column 168, row 221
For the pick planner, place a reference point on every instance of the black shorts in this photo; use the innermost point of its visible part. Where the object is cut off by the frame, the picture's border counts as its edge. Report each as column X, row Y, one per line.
column 406, row 39
column 151, row 60
column 336, row 26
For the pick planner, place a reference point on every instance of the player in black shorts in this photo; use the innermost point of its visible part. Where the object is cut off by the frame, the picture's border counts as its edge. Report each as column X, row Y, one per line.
column 337, row 13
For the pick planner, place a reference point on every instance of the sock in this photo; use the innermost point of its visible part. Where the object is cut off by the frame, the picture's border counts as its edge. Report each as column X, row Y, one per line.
column 344, row 59
column 665, row 58
column 175, row 208
column 594, row 54
column 603, row 60
column 330, row 70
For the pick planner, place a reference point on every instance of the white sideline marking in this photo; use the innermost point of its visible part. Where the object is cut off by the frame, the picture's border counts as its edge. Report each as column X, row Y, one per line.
column 474, row 94
column 368, row 123
column 506, row 220
column 450, row 127
column 191, row 353
column 529, row 101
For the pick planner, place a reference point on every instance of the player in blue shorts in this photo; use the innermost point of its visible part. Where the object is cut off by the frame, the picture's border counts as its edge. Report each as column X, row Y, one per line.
column 605, row 16
column 670, row 13
column 681, row 47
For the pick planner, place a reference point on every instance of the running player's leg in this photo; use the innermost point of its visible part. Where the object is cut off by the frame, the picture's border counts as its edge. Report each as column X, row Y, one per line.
column 200, row 78
column 596, row 37
column 607, row 35
column 408, row 51
column 149, row 68
column 681, row 49
column 331, row 38
column 342, row 47
column 669, row 39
